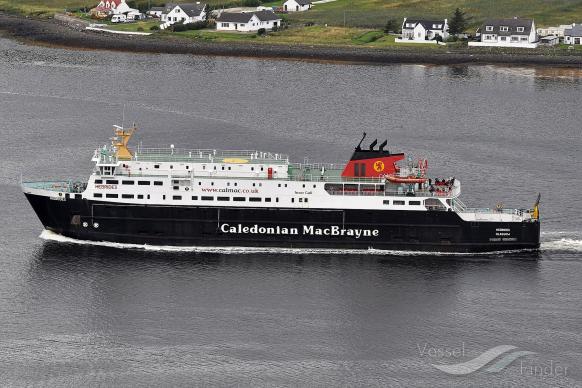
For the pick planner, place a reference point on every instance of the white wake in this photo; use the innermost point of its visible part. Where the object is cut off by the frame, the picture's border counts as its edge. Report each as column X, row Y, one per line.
column 51, row 236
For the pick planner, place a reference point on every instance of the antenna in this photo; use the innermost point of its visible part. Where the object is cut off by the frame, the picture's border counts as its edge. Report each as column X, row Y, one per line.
column 123, row 117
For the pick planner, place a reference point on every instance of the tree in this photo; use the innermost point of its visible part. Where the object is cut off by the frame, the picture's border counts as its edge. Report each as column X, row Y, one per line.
column 391, row 26
column 459, row 22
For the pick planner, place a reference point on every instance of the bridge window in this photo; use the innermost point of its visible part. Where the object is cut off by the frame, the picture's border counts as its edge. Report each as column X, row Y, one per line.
column 110, row 195
column 239, row 199
column 98, row 195
column 207, row 198
column 414, row 203
column 254, row 199
column 194, row 198
column 127, row 182
column 177, row 197
column 158, row 183
column 143, row 183
column 398, row 202
column 386, row 202
column 127, row 196
column 98, row 181
column 222, row 198
column 112, row 181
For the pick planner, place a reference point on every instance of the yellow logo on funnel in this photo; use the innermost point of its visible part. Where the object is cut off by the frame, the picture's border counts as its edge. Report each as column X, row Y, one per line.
column 379, row 166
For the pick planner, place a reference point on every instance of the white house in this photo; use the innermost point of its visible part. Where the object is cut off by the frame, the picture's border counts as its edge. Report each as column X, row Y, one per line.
column 247, row 21
column 555, row 30
column 573, row 35
column 296, row 5
column 514, row 32
column 423, row 31
column 156, row 12
column 105, row 8
column 182, row 13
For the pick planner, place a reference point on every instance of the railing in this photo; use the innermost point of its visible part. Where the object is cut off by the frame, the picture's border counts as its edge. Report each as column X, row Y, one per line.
column 207, row 154
column 61, row 186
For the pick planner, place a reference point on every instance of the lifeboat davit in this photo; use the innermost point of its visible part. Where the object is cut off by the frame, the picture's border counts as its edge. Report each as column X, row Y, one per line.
column 405, row 179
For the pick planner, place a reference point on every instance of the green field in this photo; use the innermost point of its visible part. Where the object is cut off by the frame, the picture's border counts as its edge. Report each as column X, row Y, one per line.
column 375, row 13
column 364, row 13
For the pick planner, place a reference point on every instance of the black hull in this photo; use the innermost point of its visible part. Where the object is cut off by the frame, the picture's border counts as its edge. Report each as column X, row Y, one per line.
column 431, row 231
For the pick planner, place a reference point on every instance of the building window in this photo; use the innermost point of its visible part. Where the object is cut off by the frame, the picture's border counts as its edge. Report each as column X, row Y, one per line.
column 112, row 181
column 98, row 195
column 143, row 183
column 110, row 195
column 239, row 199
column 523, row 39
column 488, row 28
column 177, row 197
column 158, row 183
column 503, row 38
column 222, row 198
column 520, row 29
column 225, row 25
column 503, row 28
column 207, row 198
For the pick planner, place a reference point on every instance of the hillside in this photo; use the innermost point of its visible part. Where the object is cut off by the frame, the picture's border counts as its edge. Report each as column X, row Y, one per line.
column 375, row 13
column 366, row 13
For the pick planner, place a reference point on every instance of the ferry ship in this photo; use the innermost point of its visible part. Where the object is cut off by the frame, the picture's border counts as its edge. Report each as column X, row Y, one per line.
column 378, row 200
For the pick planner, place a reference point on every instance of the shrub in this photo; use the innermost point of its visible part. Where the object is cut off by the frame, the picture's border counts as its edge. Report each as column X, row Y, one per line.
column 154, row 28
column 197, row 25
column 140, row 28
column 261, row 32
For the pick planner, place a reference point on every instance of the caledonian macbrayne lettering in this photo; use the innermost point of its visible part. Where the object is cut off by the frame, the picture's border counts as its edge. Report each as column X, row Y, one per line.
column 333, row 230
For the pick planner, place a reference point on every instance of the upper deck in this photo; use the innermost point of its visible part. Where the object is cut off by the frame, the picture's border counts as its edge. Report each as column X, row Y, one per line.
column 107, row 155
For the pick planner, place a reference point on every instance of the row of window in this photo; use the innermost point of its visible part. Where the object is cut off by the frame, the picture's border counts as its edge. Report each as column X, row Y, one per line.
column 194, row 198
column 223, row 168
column 504, row 28
column 398, row 202
column 127, row 182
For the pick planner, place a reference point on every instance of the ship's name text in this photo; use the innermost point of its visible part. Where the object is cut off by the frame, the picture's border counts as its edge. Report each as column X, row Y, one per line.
column 311, row 230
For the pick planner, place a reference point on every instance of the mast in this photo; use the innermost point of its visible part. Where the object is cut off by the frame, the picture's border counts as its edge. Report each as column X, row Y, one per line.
column 120, row 141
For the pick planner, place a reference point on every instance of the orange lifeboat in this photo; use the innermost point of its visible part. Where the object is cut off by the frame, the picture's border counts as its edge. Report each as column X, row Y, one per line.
column 405, row 179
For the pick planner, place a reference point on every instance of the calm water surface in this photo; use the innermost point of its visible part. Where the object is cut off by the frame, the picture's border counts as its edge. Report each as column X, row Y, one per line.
column 92, row 315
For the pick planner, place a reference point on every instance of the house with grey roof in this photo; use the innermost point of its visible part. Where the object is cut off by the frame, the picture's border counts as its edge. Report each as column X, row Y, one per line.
column 296, row 5
column 247, row 21
column 156, row 12
column 184, row 13
column 424, row 31
column 573, row 36
column 515, row 32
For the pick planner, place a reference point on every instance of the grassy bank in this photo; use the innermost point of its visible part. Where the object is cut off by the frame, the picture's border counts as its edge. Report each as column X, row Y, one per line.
column 361, row 13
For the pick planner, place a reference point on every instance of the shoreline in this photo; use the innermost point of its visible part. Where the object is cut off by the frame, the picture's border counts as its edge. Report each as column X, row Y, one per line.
column 60, row 34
